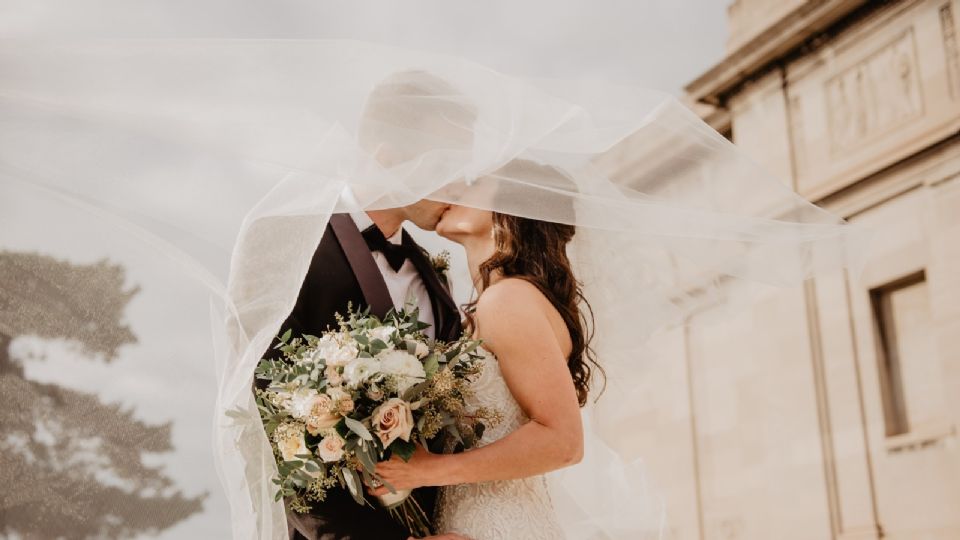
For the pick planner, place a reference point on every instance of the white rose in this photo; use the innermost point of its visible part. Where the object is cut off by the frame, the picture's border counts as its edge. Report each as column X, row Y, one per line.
column 292, row 445
column 360, row 370
column 393, row 420
column 331, row 448
column 336, row 350
column 383, row 333
column 422, row 350
column 404, row 366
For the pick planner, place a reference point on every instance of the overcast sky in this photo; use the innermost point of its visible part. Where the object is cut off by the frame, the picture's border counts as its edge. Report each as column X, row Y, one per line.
column 659, row 43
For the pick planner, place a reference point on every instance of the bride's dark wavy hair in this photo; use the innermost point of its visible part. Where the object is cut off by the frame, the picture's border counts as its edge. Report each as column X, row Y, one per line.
column 536, row 251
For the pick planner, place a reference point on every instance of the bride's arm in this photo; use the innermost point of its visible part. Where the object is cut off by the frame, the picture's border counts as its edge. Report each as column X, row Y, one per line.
column 513, row 319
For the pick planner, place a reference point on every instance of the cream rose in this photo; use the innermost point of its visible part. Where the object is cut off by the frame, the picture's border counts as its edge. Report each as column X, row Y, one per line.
column 343, row 402
column 322, row 414
column 393, row 420
column 292, row 444
column 330, row 448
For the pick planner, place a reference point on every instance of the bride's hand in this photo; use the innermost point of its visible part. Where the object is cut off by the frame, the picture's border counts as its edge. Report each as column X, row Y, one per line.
column 408, row 474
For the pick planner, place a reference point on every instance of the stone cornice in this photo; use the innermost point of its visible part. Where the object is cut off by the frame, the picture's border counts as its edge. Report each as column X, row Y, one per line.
column 779, row 40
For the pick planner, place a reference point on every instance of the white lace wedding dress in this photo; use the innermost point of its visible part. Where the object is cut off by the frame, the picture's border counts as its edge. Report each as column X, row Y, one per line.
column 502, row 510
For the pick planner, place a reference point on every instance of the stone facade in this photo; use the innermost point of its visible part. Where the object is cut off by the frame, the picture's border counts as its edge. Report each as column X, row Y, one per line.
column 830, row 411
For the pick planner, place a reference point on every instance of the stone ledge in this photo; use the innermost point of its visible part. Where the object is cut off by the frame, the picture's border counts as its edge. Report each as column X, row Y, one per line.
column 779, row 40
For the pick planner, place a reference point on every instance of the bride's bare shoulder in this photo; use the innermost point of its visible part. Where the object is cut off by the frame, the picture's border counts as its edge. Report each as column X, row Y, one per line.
column 514, row 314
column 510, row 299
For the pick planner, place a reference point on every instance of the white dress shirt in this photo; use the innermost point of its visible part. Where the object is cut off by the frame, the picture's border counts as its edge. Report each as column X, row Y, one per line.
column 403, row 285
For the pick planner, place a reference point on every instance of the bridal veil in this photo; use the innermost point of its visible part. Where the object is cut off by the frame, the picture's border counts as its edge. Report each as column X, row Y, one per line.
column 217, row 163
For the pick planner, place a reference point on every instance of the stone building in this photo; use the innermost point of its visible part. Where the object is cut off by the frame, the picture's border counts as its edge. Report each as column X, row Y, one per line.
column 830, row 411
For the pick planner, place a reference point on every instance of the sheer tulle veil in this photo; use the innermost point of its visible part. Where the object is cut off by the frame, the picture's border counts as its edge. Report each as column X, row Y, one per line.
column 226, row 158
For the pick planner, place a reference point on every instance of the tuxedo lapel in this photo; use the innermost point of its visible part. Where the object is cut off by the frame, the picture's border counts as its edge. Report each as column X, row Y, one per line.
column 445, row 313
column 362, row 263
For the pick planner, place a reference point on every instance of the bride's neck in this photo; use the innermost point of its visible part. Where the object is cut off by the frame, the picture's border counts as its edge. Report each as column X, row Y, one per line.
column 478, row 251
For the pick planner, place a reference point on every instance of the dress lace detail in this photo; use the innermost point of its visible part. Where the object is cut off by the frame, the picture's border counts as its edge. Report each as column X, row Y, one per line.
column 498, row 510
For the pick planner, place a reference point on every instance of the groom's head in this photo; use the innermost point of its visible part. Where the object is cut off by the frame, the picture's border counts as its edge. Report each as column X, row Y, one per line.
column 414, row 118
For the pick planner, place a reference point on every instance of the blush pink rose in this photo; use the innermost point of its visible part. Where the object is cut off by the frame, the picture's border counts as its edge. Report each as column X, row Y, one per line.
column 393, row 420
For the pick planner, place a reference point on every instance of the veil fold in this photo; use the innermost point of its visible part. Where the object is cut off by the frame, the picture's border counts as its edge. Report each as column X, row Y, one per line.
column 229, row 156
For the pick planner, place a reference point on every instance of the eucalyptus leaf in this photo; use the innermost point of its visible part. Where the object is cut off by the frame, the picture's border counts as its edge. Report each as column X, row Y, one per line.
column 365, row 456
column 431, row 365
column 358, row 428
column 352, row 444
column 352, row 480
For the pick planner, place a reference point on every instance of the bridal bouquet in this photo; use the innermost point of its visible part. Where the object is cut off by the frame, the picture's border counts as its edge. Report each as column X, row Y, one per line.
column 337, row 404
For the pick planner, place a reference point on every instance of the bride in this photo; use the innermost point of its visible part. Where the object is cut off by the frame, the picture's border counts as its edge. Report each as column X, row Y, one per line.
column 530, row 317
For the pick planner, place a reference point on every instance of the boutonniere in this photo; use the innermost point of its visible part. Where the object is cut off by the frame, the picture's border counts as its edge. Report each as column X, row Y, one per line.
column 441, row 263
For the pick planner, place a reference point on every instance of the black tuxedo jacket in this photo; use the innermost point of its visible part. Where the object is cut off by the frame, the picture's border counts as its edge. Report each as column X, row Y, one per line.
column 343, row 272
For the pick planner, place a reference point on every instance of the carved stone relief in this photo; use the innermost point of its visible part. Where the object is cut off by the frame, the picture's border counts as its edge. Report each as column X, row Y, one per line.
column 951, row 50
column 874, row 96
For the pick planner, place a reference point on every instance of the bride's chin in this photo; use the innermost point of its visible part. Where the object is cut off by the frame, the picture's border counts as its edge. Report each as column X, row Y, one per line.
column 444, row 229
column 444, row 232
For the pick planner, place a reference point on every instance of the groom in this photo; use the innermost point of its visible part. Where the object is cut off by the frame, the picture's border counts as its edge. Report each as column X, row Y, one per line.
column 366, row 259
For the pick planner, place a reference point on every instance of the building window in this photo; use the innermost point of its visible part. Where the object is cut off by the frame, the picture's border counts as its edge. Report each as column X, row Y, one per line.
column 901, row 312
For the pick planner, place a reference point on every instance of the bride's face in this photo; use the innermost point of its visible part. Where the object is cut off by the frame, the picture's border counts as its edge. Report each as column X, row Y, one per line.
column 463, row 224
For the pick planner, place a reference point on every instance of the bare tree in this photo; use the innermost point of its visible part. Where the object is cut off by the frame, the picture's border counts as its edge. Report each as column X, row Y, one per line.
column 70, row 465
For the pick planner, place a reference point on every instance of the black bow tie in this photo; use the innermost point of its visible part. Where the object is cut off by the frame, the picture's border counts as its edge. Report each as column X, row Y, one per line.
column 396, row 254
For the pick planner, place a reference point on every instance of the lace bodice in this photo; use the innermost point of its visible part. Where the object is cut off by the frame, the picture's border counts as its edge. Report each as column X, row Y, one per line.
column 505, row 509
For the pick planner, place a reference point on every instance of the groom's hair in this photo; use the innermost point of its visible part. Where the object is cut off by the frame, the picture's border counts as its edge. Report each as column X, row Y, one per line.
column 414, row 112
